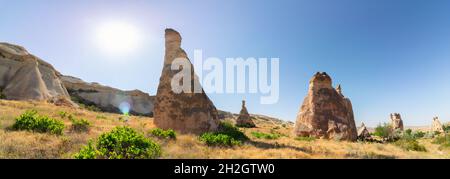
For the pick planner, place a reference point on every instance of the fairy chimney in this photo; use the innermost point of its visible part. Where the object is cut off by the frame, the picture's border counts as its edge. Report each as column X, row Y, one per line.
column 325, row 113
column 184, row 111
column 244, row 119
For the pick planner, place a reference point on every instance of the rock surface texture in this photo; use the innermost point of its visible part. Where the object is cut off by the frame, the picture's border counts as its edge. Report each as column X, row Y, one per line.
column 24, row 76
column 185, row 112
column 325, row 112
column 244, row 119
column 363, row 133
column 396, row 121
column 437, row 125
column 109, row 99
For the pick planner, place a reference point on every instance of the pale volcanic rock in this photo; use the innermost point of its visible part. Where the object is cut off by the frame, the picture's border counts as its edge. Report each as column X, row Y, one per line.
column 24, row 76
column 396, row 121
column 363, row 133
column 184, row 112
column 437, row 125
column 109, row 99
column 325, row 112
column 244, row 119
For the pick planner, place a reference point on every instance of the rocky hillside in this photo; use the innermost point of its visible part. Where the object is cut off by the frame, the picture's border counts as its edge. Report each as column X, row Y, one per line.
column 24, row 76
column 109, row 99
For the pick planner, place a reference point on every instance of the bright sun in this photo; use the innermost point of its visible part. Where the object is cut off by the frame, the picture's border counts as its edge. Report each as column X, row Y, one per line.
column 117, row 38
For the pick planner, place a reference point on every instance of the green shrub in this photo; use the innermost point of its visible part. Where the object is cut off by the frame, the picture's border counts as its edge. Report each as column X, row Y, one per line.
column 2, row 96
column 409, row 134
column 227, row 135
column 446, row 128
column 63, row 114
column 444, row 141
column 386, row 132
column 120, row 143
column 101, row 117
column 245, row 125
column 383, row 131
column 234, row 132
column 92, row 108
column 31, row 121
column 410, row 144
column 215, row 139
column 165, row 134
column 80, row 125
column 309, row 139
column 261, row 135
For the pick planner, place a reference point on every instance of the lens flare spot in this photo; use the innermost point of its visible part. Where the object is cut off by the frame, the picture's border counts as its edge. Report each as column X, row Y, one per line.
column 125, row 108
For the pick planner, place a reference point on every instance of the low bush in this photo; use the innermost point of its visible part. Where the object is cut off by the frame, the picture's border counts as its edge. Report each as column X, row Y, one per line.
column 101, row 117
column 410, row 144
column 165, row 134
column 31, row 121
column 261, row 135
column 308, row 139
column 446, row 128
column 80, row 125
column 387, row 133
column 215, row 139
column 120, row 143
column 443, row 141
column 227, row 135
column 63, row 114
column 2, row 96
column 234, row 132
column 245, row 125
column 409, row 134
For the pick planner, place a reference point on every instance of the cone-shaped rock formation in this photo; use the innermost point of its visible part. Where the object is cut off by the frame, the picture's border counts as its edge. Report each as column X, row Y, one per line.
column 244, row 119
column 184, row 112
column 325, row 112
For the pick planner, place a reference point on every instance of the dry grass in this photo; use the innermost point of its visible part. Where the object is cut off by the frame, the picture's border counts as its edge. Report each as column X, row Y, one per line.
column 22, row 144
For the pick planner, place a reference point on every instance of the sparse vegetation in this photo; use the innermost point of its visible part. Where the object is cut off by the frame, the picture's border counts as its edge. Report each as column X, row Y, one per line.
column 410, row 144
column 443, row 141
column 308, row 139
column 261, row 135
column 245, row 125
column 90, row 108
column 100, row 117
column 413, row 134
column 217, row 139
column 446, row 128
column 120, row 143
column 63, row 114
column 2, row 96
column 27, row 145
column 31, row 121
column 164, row 134
column 80, row 125
column 386, row 132
column 228, row 135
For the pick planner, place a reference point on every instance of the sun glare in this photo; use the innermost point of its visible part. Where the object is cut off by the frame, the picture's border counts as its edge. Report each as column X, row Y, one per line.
column 117, row 38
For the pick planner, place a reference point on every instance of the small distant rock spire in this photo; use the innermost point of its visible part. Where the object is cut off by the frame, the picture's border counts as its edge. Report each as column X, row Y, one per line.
column 244, row 118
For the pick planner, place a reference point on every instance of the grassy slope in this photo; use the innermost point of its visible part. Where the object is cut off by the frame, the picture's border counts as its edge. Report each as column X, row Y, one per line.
column 21, row 144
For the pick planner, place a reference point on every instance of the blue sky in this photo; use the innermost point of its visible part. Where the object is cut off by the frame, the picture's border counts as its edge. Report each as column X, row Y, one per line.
column 389, row 55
